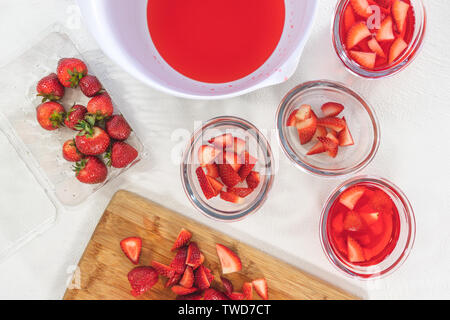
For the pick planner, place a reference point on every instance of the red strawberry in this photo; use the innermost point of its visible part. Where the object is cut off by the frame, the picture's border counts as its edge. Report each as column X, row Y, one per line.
column 92, row 144
column 365, row 59
column 355, row 252
column 193, row 257
column 236, row 296
column 213, row 294
column 345, row 137
column 216, row 185
column 239, row 145
column 187, row 280
column 351, row 196
column 179, row 261
column 375, row 47
column 163, row 270
column 338, row 223
column 247, row 290
column 261, row 288
column 201, row 278
column 352, row 221
column 349, row 18
column 209, row 275
column 183, row 238
column 49, row 88
column 70, row 151
column 330, row 145
column 175, row 279
column 50, row 115
column 233, row 160
column 182, row 291
column 212, row 170
column 332, row 109
column 304, row 112
column 361, row 7
column 90, row 85
column 356, row 34
column 132, row 246
column 91, row 170
column 332, row 123
column 118, row 128
column 316, row 149
column 222, row 142
column 248, row 164
column 142, row 279
column 320, row 132
column 121, row 154
column 229, row 260
column 75, row 116
column 397, row 48
column 253, row 179
column 227, row 285
column 101, row 106
column 240, row 192
column 292, row 120
column 207, row 155
column 70, row 71
column 231, row 197
column 306, row 129
column 228, row 175
column 192, row 296
column 385, row 32
column 205, row 185
column 399, row 12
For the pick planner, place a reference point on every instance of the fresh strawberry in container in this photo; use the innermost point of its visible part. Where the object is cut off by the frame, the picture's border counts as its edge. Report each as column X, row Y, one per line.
column 90, row 85
column 101, row 106
column 70, row 151
column 50, row 115
column 49, row 88
column 91, row 170
column 118, row 128
column 70, row 71
column 121, row 154
column 92, row 141
column 74, row 116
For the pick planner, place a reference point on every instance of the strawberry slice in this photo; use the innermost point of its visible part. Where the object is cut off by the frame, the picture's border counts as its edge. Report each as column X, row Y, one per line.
column 223, row 141
column 183, row 238
column 207, row 155
column 205, row 185
column 397, row 48
column 355, row 252
column 240, row 192
column 236, row 296
column 179, row 261
column 228, row 175
column 142, row 279
column 201, row 278
column 182, row 291
column 187, row 280
column 132, row 246
column 399, row 12
column 304, row 112
column 330, row 145
column 320, row 132
column 334, row 123
column 213, row 294
column 316, row 149
column 217, row 186
column 229, row 260
column 385, row 32
column 338, row 223
column 376, row 48
column 227, row 285
column 212, row 170
column 248, row 165
column 231, row 197
column 351, row 196
column 233, row 160
column 163, row 270
column 345, row 137
column 253, row 179
column 239, row 145
column 352, row 221
column 193, row 257
column 247, row 290
column 349, row 18
column 261, row 288
column 209, row 274
column 356, row 34
column 306, row 129
column 175, row 279
column 332, row 109
column 370, row 218
column 365, row 59
column 361, row 7
column 292, row 120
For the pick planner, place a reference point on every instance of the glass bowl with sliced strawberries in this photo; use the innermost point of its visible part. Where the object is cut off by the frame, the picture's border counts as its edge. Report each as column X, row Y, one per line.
column 227, row 169
column 327, row 129
column 367, row 228
column 378, row 38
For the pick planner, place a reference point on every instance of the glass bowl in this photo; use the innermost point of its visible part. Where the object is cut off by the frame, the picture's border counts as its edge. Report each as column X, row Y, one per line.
column 258, row 147
column 405, row 238
column 360, row 118
column 400, row 63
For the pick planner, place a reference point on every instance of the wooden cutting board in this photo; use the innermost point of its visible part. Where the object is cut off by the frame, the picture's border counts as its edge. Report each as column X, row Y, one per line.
column 103, row 268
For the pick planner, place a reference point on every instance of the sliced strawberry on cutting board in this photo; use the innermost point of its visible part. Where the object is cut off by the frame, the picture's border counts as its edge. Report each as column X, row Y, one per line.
column 334, row 123
column 222, row 142
column 142, row 279
column 240, row 192
column 397, row 48
column 175, row 279
column 253, row 179
column 365, row 59
column 183, row 238
column 207, row 155
column 228, row 286
column 229, row 260
column 212, row 170
column 261, row 288
column 345, row 137
column 201, row 278
column 361, row 7
column 400, row 12
column 228, row 175
column 182, row 291
column 306, row 129
column 209, row 274
column 213, row 294
column 236, row 296
column 375, row 47
column 356, row 34
column 217, row 186
column 205, row 185
column 187, row 280
column 352, row 221
column 193, row 257
column 179, row 261
column 330, row 144
column 355, row 252
column 163, row 270
column 385, row 33
column 231, row 197
column 247, row 290
column 331, row 109
column 132, row 247
column 351, row 196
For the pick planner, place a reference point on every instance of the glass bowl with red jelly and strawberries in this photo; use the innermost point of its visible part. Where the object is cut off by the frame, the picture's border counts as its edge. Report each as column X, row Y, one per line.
column 227, row 169
column 327, row 129
column 367, row 228
column 378, row 38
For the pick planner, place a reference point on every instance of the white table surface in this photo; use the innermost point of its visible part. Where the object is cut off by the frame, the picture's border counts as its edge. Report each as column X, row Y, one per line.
column 414, row 111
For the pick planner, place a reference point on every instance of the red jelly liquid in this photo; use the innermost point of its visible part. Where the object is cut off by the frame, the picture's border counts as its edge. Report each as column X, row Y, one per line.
column 350, row 17
column 215, row 41
column 366, row 235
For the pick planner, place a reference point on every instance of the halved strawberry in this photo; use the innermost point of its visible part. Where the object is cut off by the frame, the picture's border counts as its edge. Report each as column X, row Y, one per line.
column 232, row 159
column 229, row 260
column 239, row 145
column 236, row 296
column 205, row 185
column 361, row 7
column 316, row 149
column 182, row 291
column 240, row 192
column 397, row 48
column 338, row 223
column 351, row 196
column 179, row 261
column 231, row 197
column 320, row 132
column 306, row 129
column 345, row 137
column 213, row 294
column 332, row 109
column 183, row 238
column 163, row 270
column 193, row 258
column 228, row 175
column 248, row 164
column 253, row 179
column 304, row 112
column 132, row 246
column 187, row 280
column 365, row 59
column 201, row 279
column 247, row 290
column 349, row 18
column 207, row 155
column 334, row 123
column 223, row 141
column 356, row 34
column 385, row 33
column 352, row 221
column 355, row 252
column 227, row 285
column 330, row 145
column 261, row 288
column 376, row 48
column 175, row 279
column 399, row 12
column 217, row 186
column 212, row 170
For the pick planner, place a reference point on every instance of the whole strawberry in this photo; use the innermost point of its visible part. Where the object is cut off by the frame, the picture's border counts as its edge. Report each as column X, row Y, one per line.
column 70, row 71
column 70, row 151
column 121, row 154
column 91, row 170
column 74, row 116
column 90, row 86
column 118, row 128
column 92, row 143
column 49, row 88
column 101, row 106
column 50, row 115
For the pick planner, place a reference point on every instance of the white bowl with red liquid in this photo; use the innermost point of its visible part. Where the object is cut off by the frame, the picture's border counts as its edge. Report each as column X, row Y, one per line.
column 121, row 30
